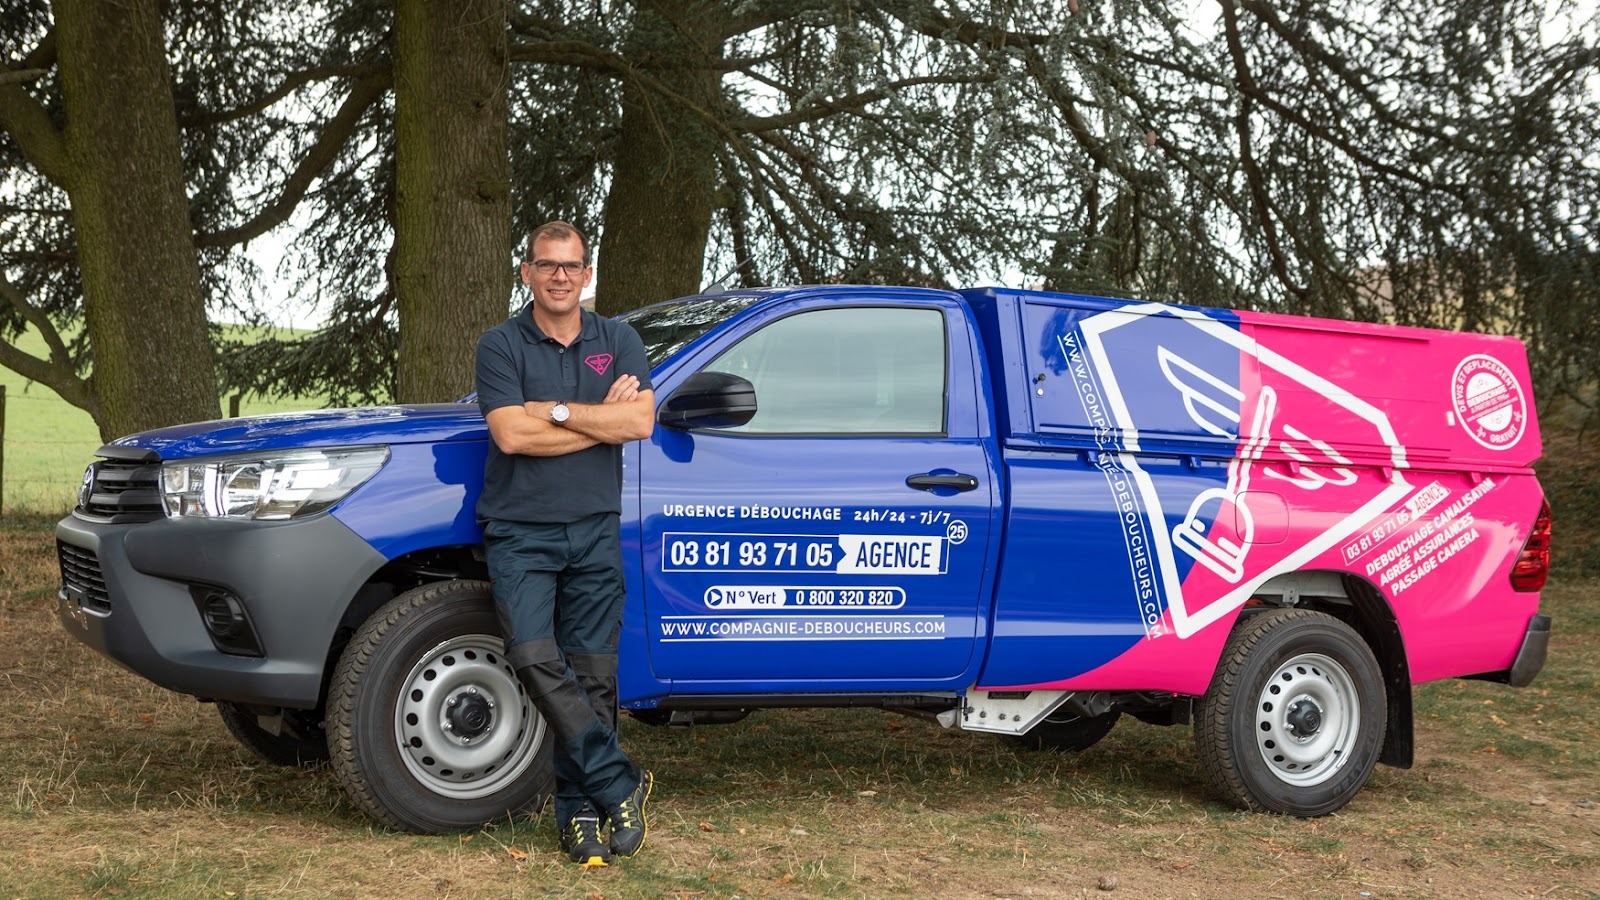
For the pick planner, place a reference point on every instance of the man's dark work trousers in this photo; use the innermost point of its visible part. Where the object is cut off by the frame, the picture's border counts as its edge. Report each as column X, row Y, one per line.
column 558, row 590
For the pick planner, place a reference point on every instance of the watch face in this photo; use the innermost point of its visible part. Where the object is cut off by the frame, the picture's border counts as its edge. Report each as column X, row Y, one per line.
column 559, row 412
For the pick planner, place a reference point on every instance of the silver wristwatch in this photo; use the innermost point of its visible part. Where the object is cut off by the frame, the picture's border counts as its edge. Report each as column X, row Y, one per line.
column 560, row 413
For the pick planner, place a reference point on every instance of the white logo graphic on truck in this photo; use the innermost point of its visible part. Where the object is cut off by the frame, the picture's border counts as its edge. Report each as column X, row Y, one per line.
column 1313, row 473
column 1489, row 403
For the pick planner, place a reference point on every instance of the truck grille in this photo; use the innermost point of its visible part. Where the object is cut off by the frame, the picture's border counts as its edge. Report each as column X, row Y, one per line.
column 81, row 577
column 122, row 490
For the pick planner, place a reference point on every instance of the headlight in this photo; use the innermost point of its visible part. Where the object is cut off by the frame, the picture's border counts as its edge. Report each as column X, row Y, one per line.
column 281, row 486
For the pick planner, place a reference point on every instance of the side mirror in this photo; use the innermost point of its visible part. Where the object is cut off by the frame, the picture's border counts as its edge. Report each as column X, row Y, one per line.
column 709, row 400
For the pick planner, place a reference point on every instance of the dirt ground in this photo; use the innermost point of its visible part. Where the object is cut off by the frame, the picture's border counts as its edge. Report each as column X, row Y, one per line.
column 112, row 787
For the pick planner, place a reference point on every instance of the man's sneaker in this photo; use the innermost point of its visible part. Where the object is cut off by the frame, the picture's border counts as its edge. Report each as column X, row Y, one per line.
column 628, row 822
column 580, row 839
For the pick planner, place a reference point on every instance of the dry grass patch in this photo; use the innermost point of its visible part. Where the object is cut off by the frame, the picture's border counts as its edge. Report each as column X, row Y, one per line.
column 111, row 787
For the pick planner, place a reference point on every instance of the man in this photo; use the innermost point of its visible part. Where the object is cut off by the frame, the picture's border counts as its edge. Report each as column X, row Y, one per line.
column 562, row 389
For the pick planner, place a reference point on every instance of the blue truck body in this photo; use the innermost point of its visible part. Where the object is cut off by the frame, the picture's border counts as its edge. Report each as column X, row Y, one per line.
column 1008, row 513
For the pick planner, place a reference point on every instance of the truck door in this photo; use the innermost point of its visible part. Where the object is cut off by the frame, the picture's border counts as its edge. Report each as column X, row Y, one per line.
column 843, row 532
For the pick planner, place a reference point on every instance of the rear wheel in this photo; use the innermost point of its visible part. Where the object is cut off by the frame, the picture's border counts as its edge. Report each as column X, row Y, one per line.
column 1067, row 733
column 429, row 728
column 299, row 742
column 1294, row 718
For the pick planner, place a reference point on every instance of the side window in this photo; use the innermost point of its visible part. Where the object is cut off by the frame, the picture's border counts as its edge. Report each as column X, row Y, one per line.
column 852, row 370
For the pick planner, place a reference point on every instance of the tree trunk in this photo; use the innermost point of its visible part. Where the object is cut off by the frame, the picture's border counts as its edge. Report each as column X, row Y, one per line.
column 658, row 212
column 452, row 175
column 144, row 309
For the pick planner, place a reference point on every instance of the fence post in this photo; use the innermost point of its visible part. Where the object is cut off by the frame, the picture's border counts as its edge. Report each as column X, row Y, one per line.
column 2, row 449
column 233, row 406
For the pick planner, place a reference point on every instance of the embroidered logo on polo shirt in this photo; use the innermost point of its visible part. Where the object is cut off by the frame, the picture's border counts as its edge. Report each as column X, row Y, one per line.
column 600, row 362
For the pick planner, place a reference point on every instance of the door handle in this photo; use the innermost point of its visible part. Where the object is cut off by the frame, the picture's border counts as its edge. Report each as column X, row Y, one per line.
column 927, row 481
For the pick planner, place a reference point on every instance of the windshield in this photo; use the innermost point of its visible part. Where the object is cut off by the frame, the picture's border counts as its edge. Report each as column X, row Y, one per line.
column 668, row 327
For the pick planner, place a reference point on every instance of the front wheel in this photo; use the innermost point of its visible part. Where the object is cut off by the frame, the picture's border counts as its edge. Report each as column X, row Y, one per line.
column 1294, row 719
column 429, row 728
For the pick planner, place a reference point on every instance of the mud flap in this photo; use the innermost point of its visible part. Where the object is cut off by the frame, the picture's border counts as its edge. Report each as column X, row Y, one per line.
column 1530, row 659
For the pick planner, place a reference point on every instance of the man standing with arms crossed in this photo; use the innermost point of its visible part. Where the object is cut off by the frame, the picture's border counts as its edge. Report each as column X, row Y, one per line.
column 562, row 390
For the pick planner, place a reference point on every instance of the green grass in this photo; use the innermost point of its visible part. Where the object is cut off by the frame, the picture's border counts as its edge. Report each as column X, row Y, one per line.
column 48, row 442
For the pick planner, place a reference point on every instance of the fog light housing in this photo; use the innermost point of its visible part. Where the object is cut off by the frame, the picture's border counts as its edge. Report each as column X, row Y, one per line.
column 226, row 620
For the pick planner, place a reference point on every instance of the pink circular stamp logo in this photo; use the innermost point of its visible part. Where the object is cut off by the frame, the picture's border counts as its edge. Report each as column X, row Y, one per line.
column 1489, row 402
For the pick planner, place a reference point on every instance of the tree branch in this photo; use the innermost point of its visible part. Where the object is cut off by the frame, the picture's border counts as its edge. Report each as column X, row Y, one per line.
column 26, row 120
column 362, row 96
column 1327, row 135
column 22, row 76
column 1203, row 177
column 294, row 82
column 586, row 55
column 1336, row 64
column 755, row 20
column 970, row 33
column 1067, row 104
column 524, row 22
column 545, row 30
column 552, row 43
column 1247, row 161
column 55, row 373
column 852, row 104
column 744, row 257
column 775, row 187
column 569, row 53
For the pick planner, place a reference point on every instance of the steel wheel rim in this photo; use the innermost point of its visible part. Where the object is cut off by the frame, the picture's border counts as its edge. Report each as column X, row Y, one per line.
column 1309, row 687
column 470, row 668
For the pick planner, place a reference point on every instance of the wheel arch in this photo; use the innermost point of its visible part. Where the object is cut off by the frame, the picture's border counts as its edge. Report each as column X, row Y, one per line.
column 426, row 565
column 1354, row 600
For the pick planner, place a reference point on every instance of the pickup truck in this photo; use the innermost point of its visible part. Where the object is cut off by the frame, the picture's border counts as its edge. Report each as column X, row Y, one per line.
column 1014, row 512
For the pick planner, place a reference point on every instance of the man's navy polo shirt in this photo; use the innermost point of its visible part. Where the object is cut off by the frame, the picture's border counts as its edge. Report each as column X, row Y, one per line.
column 517, row 362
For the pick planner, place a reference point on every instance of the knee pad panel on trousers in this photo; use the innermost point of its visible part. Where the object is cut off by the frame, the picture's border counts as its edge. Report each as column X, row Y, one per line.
column 597, row 673
column 534, row 652
column 559, row 698
column 594, row 665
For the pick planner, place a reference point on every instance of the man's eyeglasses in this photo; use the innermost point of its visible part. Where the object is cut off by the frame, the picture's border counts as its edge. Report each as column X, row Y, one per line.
column 548, row 267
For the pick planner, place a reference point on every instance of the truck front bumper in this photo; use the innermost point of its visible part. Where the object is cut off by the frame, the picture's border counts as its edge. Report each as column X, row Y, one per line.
column 221, row 609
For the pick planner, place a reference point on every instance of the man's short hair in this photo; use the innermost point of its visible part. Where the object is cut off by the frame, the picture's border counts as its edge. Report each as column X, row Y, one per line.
column 558, row 231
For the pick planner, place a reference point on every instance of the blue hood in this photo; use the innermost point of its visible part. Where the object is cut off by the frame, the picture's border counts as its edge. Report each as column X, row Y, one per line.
column 423, row 423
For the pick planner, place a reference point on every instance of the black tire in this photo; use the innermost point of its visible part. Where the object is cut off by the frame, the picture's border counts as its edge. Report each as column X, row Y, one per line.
column 1067, row 733
column 1294, row 719
column 432, row 656
column 308, row 747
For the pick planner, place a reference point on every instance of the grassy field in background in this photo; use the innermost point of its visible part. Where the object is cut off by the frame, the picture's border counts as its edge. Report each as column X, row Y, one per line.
column 112, row 787
column 48, row 442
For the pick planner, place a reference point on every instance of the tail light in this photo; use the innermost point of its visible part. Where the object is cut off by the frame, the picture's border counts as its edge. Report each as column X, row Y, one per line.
column 1533, row 564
